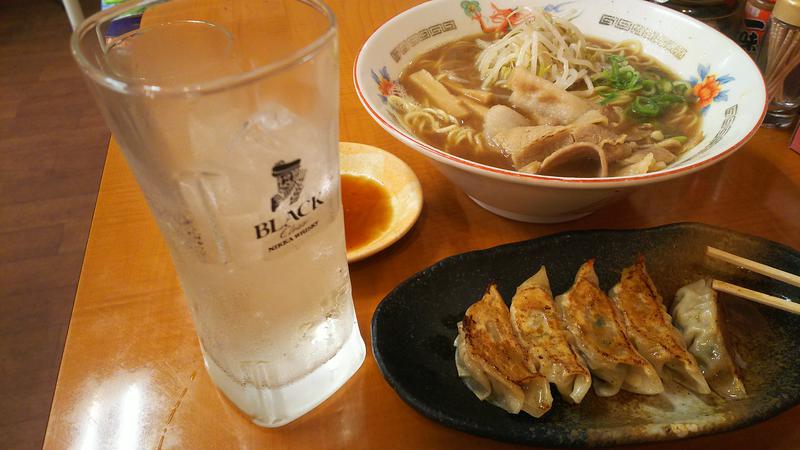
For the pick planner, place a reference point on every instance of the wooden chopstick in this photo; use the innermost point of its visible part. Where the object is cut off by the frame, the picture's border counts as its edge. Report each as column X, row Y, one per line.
column 758, row 297
column 763, row 269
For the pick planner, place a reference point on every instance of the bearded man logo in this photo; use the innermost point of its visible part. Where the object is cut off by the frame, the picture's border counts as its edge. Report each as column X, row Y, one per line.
column 290, row 182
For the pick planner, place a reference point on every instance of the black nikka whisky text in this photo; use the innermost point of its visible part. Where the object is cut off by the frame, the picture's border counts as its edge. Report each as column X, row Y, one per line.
column 276, row 225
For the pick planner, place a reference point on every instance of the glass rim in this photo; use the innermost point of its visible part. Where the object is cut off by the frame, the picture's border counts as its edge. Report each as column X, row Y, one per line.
column 131, row 87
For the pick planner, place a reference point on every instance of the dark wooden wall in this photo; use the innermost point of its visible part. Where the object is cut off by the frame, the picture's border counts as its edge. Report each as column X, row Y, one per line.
column 52, row 147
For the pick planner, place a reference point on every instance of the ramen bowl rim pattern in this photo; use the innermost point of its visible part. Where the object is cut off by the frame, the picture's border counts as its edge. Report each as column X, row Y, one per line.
column 511, row 176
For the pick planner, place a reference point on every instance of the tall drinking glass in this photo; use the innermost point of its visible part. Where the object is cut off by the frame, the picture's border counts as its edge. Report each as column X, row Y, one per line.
column 227, row 114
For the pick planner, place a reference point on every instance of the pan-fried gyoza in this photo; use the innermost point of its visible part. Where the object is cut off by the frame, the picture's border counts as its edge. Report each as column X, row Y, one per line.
column 534, row 318
column 584, row 338
column 698, row 316
column 598, row 332
column 493, row 364
column 650, row 328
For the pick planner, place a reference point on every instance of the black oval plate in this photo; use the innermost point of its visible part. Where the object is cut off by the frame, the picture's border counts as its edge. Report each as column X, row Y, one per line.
column 414, row 327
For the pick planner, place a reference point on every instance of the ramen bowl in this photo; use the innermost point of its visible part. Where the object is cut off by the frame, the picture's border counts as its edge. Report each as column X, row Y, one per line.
column 729, row 85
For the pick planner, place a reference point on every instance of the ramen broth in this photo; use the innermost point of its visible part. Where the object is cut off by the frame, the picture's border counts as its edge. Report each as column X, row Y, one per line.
column 457, row 59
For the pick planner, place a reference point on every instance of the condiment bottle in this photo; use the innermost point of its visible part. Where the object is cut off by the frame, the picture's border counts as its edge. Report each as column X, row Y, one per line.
column 754, row 23
column 779, row 60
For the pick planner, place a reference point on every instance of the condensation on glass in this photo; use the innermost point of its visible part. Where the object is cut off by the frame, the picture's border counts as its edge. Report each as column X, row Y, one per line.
column 227, row 114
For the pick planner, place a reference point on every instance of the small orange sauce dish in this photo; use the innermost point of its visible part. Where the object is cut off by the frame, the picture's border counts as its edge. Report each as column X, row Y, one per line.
column 381, row 196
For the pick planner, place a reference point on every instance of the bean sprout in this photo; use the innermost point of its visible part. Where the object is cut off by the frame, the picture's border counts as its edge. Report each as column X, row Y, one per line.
column 547, row 45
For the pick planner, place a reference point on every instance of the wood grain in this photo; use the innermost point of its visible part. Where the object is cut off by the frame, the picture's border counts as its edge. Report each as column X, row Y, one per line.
column 52, row 146
column 132, row 364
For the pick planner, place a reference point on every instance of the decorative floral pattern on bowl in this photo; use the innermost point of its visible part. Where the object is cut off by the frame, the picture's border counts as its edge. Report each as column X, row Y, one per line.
column 504, row 18
column 501, row 18
column 708, row 87
column 386, row 85
column 676, row 40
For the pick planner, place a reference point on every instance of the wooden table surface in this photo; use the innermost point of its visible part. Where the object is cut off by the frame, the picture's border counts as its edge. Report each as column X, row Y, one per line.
column 132, row 375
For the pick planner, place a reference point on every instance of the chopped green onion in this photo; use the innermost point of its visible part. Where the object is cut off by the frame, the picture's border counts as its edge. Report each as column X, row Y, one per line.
column 645, row 107
column 648, row 94
column 608, row 97
column 668, row 99
column 617, row 58
column 648, row 87
column 680, row 87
